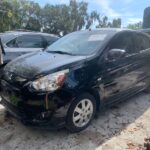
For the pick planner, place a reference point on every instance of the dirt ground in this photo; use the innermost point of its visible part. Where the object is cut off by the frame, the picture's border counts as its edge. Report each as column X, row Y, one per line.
column 122, row 127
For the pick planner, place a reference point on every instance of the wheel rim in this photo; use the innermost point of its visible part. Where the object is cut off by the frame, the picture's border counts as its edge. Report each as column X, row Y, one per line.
column 82, row 113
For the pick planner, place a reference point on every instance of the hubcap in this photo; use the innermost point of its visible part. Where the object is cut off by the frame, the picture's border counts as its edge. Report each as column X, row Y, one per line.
column 82, row 113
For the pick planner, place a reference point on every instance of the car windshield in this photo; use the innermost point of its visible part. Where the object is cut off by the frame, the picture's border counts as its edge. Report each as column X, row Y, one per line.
column 83, row 43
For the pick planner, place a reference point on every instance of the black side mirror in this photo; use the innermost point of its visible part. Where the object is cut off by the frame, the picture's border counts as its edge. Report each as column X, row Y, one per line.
column 114, row 54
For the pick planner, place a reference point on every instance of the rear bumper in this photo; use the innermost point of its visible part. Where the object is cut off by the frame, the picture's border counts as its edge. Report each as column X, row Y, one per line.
column 54, row 121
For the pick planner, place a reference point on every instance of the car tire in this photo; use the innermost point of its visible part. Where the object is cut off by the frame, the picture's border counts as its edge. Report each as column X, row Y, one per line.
column 81, row 112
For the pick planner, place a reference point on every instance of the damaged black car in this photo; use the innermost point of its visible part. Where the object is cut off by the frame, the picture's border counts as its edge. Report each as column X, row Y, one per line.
column 76, row 77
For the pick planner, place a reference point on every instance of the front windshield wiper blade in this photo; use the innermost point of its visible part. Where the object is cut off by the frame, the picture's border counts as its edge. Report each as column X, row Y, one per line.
column 60, row 52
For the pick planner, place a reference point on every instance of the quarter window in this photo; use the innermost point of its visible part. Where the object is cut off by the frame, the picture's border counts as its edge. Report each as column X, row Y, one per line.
column 12, row 43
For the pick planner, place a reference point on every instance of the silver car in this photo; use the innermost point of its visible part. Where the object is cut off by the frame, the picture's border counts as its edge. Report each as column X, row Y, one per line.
column 17, row 43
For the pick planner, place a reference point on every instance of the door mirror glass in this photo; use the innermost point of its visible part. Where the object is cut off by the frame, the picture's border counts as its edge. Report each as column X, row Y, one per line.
column 114, row 54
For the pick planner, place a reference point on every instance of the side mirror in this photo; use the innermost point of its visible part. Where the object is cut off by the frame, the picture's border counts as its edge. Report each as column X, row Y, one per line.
column 114, row 54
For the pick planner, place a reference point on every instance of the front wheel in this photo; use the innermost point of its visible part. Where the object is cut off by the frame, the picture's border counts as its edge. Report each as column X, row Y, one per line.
column 81, row 113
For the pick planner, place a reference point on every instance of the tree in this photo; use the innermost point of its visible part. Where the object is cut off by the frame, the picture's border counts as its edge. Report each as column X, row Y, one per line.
column 104, row 23
column 78, row 14
column 56, row 19
column 116, row 23
column 5, row 15
column 93, row 17
column 63, row 18
column 135, row 26
column 17, row 14
column 30, row 15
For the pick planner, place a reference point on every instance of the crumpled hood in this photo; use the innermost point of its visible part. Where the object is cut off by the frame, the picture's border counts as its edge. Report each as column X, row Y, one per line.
column 30, row 65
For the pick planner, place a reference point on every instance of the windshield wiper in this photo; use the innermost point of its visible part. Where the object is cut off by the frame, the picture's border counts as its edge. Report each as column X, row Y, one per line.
column 60, row 52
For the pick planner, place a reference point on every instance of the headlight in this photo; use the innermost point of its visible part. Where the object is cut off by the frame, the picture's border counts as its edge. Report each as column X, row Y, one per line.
column 50, row 82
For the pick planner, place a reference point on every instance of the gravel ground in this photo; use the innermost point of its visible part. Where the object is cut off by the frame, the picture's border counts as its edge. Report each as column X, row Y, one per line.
column 122, row 127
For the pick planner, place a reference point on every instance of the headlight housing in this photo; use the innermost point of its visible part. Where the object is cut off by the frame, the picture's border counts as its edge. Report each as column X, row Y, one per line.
column 50, row 82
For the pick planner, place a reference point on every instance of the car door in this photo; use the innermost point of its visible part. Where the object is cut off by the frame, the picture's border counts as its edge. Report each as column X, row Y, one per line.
column 120, row 76
column 23, row 44
column 142, row 45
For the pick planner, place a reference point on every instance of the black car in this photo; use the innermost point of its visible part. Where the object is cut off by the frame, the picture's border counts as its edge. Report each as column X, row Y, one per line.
column 76, row 76
column 17, row 43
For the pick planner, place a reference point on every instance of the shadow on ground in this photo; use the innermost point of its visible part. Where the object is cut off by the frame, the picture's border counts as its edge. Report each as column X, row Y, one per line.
column 108, row 124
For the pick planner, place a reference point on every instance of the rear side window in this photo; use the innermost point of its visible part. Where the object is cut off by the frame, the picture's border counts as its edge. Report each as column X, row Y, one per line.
column 26, row 41
column 123, row 41
column 7, row 37
column 29, row 41
column 50, row 39
column 12, row 43
column 142, row 42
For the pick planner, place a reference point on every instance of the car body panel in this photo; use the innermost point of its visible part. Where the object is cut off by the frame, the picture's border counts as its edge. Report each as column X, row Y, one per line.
column 145, row 31
column 107, row 80
column 25, row 65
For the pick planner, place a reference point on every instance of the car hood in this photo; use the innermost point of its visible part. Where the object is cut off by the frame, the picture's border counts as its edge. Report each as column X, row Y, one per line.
column 34, row 64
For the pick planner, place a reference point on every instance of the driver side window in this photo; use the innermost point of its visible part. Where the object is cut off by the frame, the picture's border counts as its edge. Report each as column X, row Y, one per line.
column 123, row 41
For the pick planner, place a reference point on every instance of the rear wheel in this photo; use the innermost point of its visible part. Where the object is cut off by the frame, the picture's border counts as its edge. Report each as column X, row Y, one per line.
column 81, row 113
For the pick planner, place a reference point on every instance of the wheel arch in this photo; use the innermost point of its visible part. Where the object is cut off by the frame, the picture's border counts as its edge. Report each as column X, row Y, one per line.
column 96, row 94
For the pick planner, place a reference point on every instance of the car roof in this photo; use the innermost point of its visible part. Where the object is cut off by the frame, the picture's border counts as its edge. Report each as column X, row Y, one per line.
column 21, row 32
column 9, row 35
column 105, row 30
column 108, row 29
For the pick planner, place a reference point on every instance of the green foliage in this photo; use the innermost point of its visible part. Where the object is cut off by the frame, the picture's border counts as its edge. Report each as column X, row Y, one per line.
column 135, row 26
column 104, row 23
column 56, row 19
column 19, row 14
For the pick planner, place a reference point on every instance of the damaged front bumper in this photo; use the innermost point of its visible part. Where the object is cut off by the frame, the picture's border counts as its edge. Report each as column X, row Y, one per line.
column 34, row 112
column 45, row 119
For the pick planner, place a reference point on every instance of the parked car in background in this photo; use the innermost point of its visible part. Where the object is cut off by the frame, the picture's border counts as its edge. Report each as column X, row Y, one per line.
column 76, row 76
column 17, row 43
column 146, row 31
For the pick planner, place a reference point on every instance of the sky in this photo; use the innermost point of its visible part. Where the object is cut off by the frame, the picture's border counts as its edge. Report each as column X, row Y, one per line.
column 130, row 11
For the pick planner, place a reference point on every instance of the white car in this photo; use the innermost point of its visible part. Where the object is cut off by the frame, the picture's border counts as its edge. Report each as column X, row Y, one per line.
column 17, row 43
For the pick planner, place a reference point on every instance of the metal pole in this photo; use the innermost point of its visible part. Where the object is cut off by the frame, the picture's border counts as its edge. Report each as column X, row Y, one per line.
column 1, row 52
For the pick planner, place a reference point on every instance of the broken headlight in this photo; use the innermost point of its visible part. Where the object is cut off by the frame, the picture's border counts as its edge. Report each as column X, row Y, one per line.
column 50, row 82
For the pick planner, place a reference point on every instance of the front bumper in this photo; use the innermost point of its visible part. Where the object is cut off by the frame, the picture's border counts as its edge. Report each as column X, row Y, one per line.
column 44, row 110
column 51, row 122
